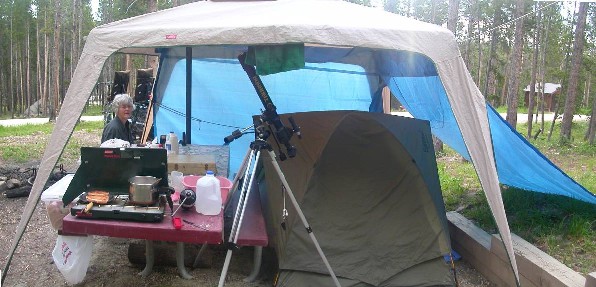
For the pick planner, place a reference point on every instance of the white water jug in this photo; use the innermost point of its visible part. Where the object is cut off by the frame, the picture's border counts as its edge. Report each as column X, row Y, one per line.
column 174, row 143
column 208, row 195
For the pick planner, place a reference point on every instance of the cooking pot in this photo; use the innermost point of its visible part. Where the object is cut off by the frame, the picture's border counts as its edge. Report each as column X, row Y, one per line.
column 142, row 190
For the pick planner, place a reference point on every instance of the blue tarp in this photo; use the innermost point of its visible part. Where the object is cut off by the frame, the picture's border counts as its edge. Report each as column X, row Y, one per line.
column 223, row 99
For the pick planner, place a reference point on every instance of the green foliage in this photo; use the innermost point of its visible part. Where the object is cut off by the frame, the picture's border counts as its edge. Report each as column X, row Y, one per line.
column 93, row 110
column 452, row 186
column 563, row 227
column 89, row 126
column 560, row 223
column 25, row 130
column 17, row 145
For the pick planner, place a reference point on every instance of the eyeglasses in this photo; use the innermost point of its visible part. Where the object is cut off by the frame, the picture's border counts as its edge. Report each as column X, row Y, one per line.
column 125, row 107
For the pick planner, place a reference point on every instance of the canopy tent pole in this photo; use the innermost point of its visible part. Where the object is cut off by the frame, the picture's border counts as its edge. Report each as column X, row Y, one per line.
column 187, row 140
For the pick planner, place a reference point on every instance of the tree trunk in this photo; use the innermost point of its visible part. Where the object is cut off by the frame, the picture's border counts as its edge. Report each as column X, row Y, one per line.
column 38, row 68
column 587, row 87
column 452, row 16
column 533, row 74
column 542, row 71
column 64, row 71
column 11, row 83
column 28, row 73
column 21, row 75
column 73, row 41
column 46, row 71
column 3, row 92
column 592, row 125
column 433, row 12
column 556, row 115
column 57, row 62
column 515, row 61
column 479, row 39
column 503, row 91
column 493, row 45
column 151, row 6
column 133, row 78
column 469, row 36
column 576, row 58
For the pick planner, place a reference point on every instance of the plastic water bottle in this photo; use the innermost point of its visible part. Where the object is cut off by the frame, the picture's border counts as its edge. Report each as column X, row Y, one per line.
column 208, row 195
column 168, row 144
column 173, row 143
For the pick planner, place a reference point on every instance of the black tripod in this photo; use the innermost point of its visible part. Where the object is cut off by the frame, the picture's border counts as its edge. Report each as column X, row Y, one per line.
column 257, row 146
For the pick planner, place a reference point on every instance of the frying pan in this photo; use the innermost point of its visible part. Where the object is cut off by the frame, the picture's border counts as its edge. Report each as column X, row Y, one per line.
column 83, row 198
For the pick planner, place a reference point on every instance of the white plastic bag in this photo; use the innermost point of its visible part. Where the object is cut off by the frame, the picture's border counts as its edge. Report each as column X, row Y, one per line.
column 72, row 255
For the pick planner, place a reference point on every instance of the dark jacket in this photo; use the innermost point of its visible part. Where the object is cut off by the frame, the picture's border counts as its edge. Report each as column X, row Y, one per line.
column 116, row 130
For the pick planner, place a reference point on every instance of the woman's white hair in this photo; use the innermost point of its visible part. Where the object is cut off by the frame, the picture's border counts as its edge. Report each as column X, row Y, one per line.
column 122, row 99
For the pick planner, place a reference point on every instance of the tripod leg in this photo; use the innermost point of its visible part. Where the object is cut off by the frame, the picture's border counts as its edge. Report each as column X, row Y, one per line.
column 243, row 199
column 242, row 196
column 301, row 215
column 241, row 170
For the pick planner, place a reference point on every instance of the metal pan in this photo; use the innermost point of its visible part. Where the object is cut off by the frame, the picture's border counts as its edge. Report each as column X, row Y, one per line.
column 83, row 198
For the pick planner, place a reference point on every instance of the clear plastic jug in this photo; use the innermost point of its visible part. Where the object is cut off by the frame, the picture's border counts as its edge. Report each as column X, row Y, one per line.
column 208, row 195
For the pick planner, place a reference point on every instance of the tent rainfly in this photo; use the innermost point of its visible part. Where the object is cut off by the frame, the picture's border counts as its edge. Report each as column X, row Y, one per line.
column 348, row 59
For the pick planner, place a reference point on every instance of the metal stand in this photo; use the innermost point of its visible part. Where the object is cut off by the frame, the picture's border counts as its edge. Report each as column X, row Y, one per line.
column 256, row 147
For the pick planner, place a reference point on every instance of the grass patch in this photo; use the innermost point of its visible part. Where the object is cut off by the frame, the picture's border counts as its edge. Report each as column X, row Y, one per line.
column 93, row 110
column 90, row 126
column 563, row 227
column 26, row 130
column 22, row 144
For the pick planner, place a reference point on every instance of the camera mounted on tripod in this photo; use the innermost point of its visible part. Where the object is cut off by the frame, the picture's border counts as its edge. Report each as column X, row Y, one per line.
column 269, row 122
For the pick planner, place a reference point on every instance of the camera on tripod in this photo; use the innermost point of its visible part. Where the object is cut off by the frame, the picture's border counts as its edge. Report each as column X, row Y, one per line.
column 269, row 122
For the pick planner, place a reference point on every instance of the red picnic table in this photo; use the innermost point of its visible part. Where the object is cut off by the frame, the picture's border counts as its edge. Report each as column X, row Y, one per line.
column 197, row 228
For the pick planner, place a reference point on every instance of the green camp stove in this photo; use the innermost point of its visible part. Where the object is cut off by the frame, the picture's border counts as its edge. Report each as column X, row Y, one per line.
column 109, row 169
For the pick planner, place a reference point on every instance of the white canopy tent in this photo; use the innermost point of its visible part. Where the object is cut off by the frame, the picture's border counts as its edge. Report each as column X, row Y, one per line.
column 314, row 23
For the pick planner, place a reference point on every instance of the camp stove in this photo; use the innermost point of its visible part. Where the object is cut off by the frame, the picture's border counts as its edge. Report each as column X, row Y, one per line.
column 121, row 209
column 109, row 169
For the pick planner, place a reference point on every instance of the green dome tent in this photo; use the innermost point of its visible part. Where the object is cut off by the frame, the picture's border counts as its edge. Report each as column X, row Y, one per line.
column 368, row 185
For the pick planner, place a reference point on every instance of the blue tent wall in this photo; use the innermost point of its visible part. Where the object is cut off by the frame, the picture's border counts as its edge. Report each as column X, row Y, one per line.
column 339, row 79
column 225, row 100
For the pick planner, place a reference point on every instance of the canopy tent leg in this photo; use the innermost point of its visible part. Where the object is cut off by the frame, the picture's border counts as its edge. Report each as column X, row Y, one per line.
column 188, row 139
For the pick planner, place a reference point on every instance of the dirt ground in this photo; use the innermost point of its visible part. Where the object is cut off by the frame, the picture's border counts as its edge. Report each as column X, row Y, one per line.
column 32, row 264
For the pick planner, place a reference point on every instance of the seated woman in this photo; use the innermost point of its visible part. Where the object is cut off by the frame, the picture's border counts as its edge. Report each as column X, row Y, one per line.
column 119, row 127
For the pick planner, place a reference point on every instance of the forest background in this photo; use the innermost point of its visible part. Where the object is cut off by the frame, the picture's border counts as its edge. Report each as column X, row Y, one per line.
column 506, row 44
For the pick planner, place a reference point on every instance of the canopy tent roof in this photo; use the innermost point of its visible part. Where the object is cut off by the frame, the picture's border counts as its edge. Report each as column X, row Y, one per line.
column 420, row 62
